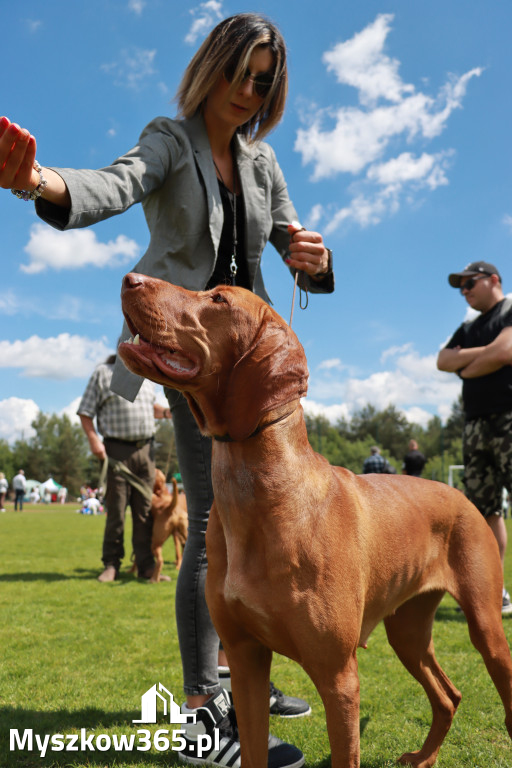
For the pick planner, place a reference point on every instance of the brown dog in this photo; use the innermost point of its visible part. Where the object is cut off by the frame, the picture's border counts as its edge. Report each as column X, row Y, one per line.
column 304, row 558
column 169, row 517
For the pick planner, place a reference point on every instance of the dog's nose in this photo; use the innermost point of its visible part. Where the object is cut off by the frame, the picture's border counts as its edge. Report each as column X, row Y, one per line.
column 132, row 281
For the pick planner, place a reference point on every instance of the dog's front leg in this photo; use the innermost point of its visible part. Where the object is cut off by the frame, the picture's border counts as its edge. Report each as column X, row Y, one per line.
column 249, row 664
column 340, row 695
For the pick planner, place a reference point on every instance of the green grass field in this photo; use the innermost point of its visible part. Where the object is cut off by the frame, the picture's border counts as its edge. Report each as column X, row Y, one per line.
column 77, row 654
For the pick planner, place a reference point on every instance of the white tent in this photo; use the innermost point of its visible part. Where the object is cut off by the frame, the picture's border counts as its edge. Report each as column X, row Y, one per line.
column 48, row 489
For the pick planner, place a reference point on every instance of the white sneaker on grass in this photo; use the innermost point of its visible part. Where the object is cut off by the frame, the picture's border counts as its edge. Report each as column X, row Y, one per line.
column 205, row 746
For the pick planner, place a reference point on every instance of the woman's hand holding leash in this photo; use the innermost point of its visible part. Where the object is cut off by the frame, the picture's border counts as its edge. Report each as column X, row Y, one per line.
column 307, row 251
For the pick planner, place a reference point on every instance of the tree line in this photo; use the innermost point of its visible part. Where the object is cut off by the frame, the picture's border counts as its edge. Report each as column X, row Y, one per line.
column 59, row 448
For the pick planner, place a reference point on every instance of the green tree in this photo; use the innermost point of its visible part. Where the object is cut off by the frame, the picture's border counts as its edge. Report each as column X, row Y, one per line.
column 455, row 424
column 58, row 449
column 7, row 460
column 389, row 429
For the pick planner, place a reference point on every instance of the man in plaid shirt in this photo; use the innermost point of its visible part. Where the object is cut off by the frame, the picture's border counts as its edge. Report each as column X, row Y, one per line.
column 128, row 433
column 377, row 463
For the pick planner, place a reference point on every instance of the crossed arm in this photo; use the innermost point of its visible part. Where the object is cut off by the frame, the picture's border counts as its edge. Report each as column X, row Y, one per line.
column 473, row 362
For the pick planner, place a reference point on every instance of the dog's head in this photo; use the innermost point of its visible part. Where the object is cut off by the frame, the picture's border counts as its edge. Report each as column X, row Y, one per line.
column 231, row 354
column 159, row 485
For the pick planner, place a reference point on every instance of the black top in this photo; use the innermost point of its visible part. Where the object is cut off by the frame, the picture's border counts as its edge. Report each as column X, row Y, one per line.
column 414, row 461
column 492, row 393
column 222, row 274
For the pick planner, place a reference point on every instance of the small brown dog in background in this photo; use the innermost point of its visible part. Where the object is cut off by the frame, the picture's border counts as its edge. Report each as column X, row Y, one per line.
column 170, row 516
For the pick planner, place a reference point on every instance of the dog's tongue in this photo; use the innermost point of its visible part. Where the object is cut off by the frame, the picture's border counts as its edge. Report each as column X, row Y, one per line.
column 176, row 361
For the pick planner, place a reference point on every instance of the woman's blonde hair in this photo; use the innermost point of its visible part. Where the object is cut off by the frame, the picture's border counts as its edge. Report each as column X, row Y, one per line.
column 229, row 47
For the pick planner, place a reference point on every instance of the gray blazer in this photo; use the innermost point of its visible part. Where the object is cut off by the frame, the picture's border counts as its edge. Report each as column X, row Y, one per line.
column 171, row 172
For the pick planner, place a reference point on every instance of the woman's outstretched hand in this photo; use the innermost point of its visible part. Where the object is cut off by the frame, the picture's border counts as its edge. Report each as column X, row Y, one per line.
column 17, row 157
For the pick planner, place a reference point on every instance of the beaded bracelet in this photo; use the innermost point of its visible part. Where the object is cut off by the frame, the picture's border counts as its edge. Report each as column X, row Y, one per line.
column 23, row 194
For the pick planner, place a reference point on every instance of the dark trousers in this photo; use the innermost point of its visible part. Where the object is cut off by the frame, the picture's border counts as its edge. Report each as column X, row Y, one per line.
column 119, row 495
column 199, row 642
column 18, row 499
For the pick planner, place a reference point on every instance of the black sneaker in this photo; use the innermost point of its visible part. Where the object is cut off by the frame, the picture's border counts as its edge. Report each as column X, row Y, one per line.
column 217, row 720
column 284, row 706
column 287, row 706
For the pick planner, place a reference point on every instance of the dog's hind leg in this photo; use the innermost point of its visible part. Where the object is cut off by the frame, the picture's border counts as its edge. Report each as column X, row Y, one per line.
column 159, row 563
column 478, row 590
column 487, row 635
column 177, row 547
column 409, row 632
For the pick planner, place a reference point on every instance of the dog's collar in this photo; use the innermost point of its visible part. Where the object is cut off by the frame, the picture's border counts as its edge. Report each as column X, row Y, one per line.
column 229, row 439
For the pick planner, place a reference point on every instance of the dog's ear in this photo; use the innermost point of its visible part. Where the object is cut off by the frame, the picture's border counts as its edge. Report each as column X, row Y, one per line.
column 272, row 373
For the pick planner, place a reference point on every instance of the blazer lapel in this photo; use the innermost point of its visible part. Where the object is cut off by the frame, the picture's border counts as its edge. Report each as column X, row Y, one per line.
column 253, row 179
column 196, row 131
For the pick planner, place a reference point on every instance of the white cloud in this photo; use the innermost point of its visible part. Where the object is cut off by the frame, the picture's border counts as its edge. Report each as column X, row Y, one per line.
column 332, row 413
column 356, row 140
column 408, row 381
column 333, row 363
column 137, row 6
column 34, row 25
column 9, row 303
column 62, row 357
column 70, row 410
column 361, row 63
column 314, row 216
column 65, row 307
column 507, row 220
column 74, row 249
column 206, row 15
column 133, row 67
column 16, row 416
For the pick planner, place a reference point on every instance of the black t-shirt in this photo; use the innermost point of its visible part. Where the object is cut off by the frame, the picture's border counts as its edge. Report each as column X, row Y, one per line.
column 414, row 461
column 492, row 393
column 222, row 274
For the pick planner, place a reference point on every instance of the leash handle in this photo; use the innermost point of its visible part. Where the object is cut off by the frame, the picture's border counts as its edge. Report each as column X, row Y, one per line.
column 294, row 227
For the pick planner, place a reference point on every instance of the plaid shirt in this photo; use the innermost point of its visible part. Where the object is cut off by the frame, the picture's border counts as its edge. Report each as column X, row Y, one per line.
column 375, row 463
column 115, row 416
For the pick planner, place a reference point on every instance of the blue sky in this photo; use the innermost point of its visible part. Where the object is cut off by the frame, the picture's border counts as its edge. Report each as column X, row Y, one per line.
column 395, row 145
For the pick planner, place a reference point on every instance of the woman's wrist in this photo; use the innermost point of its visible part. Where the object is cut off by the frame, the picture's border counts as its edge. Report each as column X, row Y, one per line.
column 323, row 273
column 34, row 194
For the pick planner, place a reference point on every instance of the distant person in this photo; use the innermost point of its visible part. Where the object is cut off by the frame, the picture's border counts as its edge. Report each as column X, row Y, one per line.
column 4, row 485
column 377, row 463
column 479, row 352
column 19, row 485
column 414, row 460
column 128, row 435
column 35, row 496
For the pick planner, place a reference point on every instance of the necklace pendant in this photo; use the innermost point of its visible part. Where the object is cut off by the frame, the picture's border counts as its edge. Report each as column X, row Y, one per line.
column 233, row 268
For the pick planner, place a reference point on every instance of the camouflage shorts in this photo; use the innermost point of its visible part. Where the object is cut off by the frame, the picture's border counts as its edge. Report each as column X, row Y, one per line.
column 487, row 448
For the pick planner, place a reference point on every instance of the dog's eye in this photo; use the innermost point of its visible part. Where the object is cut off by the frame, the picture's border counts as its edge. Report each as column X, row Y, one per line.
column 218, row 298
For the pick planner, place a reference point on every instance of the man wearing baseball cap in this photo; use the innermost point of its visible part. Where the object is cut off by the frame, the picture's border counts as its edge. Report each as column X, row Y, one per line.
column 480, row 352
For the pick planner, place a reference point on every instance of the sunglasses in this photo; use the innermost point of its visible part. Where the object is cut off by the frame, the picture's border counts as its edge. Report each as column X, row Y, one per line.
column 262, row 83
column 469, row 284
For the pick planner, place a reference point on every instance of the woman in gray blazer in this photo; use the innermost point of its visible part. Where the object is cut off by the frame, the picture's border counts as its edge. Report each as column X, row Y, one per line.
column 213, row 196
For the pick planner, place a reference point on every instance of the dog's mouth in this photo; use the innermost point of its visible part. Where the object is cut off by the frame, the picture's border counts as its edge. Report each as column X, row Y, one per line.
column 156, row 362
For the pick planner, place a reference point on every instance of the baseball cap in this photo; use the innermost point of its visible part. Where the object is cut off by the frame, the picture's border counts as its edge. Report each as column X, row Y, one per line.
column 475, row 268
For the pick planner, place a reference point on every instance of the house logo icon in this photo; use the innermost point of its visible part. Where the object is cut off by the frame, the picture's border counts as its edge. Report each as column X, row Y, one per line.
column 149, row 706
